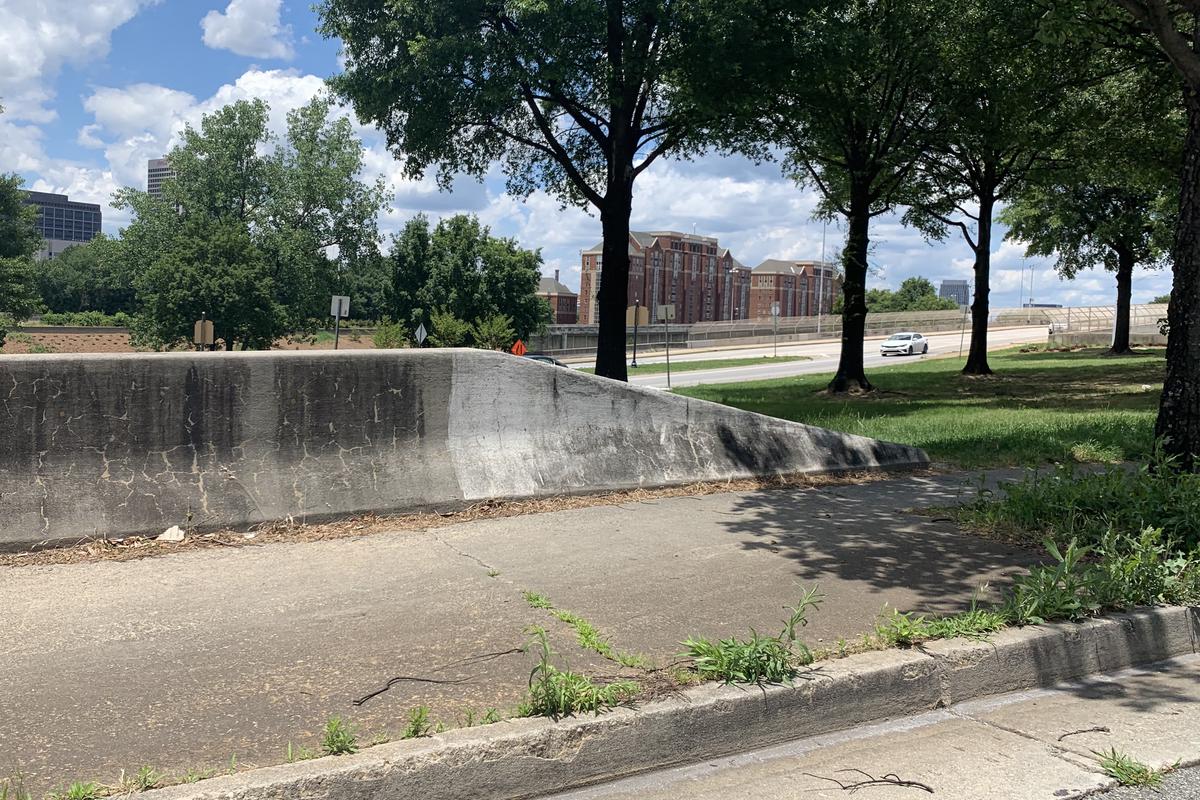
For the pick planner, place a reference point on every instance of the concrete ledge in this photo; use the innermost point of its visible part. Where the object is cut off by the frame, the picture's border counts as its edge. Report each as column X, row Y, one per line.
column 525, row 758
column 113, row 445
column 1028, row 658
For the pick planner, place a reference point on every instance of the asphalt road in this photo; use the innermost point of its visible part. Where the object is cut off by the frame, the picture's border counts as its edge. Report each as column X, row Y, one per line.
column 1182, row 784
column 823, row 357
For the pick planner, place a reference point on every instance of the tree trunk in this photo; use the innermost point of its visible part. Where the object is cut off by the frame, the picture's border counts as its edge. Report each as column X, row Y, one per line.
column 977, row 357
column 1178, row 425
column 1125, row 263
column 850, row 373
column 614, row 281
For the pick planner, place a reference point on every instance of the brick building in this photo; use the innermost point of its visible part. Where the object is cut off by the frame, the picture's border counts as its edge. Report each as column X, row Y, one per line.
column 794, row 285
column 694, row 273
column 564, row 304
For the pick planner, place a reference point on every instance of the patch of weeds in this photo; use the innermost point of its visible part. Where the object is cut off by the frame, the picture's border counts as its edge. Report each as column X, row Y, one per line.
column 1093, row 452
column 339, row 738
column 756, row 658
column 1086, row 507
column 557, row 693
column 493, row 573
column 298, row 753
column 13, row 788
column 418, row 723
column 197, row 775
column 587, row 635
column 80, row 790
column 488, row 717
column 1128, row 771
column 908, row 629
column 145, row 779
column 1055, row 591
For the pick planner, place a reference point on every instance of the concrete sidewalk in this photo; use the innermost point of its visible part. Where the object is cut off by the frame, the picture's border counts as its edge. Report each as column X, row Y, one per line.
column 1020, row 746
column 187, row 660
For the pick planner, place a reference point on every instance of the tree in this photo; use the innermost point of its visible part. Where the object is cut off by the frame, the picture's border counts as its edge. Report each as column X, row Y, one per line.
column 87, row 277
column 1161, row 300
column 1002, row 96
column 460, row 267
column 1172, row 27
column 577, row 97
column 19, row 240
column 304, row 214
column 211, row 267
column 447, row 330
column 1109, row 199
column 914, row 294
column 856, row 129
column 494, row 332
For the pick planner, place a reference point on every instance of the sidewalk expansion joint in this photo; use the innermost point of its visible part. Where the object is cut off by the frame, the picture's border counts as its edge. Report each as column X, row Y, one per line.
column 1061, row 753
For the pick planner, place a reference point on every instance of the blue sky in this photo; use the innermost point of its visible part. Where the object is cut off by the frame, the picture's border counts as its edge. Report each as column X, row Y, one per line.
column 93, row 89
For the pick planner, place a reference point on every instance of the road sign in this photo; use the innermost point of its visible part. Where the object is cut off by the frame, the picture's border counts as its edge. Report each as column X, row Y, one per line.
column 518, row 349
column 202, row 332
column 775, row 309
column 637, row 315
column 339, row 306
column 666, row 313
column 421, row 334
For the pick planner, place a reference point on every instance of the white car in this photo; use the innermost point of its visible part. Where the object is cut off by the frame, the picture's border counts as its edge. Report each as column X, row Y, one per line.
column 904, row 344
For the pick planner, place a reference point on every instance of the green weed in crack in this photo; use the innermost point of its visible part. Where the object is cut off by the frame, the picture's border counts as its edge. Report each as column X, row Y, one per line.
column 418, row 723
column 80, row 790
column 557, row 693
column 587, row 635
column 756, row 658
column 907, row 629
column 1128, row 771
column 339, row 738
column 13, row 788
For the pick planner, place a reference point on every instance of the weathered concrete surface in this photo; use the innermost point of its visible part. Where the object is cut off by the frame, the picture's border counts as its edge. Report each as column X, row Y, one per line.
column 186, row 660
column 100, row 445
column 1002, row 748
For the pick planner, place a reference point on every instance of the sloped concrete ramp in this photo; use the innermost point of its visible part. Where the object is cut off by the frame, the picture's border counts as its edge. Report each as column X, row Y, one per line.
column 113, row 445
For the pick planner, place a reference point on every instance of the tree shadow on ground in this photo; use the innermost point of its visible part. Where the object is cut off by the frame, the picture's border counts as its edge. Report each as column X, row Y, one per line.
column 868, row 534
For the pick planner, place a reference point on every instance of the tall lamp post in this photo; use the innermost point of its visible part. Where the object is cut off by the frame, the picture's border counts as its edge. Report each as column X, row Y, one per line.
column 821, row 279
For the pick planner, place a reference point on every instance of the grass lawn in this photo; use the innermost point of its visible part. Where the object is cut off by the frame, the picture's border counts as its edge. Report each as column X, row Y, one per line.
column 719, row 363
column 1039, row 407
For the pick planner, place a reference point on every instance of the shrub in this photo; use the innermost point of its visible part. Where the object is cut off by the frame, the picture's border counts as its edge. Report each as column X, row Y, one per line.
column 390, row 335
column 494, row 332
column 447, row 330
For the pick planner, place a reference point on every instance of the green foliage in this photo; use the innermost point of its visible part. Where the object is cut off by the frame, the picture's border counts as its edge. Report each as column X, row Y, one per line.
column 557, row 693
column 1041, row 410
column 914, row 294
column 338, row 738
column 1113, row 194
column 418, row 723
column 494, row 332
column 586, row 634
column 1128, row 771
column 295, row 754
column 459, row 267
column 1129, row 570
column 246, row 226
column 1088, row 507
column 1162, row 299
column 390, row 335
column 20, row 237
column 447, row 330
column 145, row 779
column 756, row 658
column 13, row 788
column 86, row 319
column 91, row 278
column 80, row 790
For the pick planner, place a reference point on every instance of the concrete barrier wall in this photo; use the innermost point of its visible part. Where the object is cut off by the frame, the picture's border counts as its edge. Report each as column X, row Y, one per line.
column 104, row 445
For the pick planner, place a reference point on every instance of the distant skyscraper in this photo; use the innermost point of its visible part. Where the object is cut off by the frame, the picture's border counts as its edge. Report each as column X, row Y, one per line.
column 157, row 171
column 63, row 223
column 958, row 291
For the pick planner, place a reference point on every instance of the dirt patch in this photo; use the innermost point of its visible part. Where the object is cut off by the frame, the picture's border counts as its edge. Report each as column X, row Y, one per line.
column 131, row 547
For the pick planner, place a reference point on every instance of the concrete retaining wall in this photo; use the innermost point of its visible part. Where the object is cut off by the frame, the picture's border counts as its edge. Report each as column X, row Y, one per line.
column 100, row 445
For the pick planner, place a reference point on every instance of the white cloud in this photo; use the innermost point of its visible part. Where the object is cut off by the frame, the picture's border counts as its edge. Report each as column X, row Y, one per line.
column 249, row 28
column 38, row 38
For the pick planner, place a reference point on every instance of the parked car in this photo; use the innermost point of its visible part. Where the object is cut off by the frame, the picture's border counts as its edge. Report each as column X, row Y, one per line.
column 904, row 344
column 551, row 360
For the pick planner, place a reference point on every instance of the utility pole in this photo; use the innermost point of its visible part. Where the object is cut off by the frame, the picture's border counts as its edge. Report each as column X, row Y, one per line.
column 821, row 279
column 637, row 308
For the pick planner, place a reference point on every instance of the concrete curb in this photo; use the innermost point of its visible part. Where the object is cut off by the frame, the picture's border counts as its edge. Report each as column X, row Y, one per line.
column 532, row 757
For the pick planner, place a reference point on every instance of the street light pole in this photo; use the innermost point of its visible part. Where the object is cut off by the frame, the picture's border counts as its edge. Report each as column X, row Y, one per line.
column 637, row 306
column 821, row 279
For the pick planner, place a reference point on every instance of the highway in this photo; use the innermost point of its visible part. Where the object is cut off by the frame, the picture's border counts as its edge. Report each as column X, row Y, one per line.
column 823, row 357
